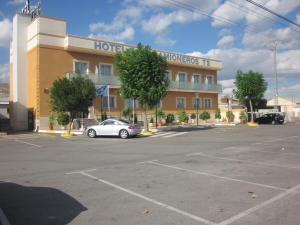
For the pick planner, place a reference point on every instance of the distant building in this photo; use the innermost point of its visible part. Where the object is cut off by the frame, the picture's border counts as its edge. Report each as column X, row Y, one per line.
column 227, row 103
column 42, row 51
column 4, row 101
column 289, row 106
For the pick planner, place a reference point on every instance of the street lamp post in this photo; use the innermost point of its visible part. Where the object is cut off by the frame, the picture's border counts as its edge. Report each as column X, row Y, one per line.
column 197, row 107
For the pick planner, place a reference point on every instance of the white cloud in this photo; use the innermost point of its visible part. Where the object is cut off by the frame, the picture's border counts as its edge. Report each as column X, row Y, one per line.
column 16, row 2
column 228, row 86
column 126, row 34
column 6, row 32
column 226, row 41
column 288, row 62
column 287, row 38
column 226, row 15
column 4, row 73
column 298, row 19
column 121, row 27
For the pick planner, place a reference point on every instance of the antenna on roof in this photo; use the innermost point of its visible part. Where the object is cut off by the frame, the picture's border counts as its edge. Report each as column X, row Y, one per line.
column 35, row 12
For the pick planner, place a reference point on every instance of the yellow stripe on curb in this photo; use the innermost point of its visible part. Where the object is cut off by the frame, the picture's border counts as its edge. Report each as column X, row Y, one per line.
column 250, row 124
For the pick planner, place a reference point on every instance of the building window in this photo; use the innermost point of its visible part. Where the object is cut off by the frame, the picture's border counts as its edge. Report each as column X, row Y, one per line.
column 195, row 100
column 181, row 77
column 81, row 67
column 180, row 102
column 207, row 103
column 112, row 102
column 209, row 79
column 106, row 69
column 196, row 79
column 169, row 74
column 128, row 103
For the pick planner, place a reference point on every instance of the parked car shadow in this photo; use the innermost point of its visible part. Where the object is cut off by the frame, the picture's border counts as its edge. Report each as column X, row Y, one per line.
column 24, row 205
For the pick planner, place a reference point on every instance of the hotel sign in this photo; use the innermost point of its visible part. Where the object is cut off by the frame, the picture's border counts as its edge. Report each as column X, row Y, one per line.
column 174, row 57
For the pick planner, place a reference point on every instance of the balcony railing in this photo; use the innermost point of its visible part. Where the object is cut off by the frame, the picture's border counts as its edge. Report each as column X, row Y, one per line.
column 100, row 79
column 195, row 86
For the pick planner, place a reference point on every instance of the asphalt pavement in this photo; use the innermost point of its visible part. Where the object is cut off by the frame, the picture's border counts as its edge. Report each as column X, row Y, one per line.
column 228, row 175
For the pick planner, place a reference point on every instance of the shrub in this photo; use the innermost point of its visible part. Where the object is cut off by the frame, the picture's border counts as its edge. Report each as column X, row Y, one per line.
column 51, row 119
column 230, row 115
column 135, row 117
column 193, row 116
column 204, row 116
column 151, row 120
column 218, row 114
column 160, row 113
column 243, row 116
column 63, row 119
column 183, row 117
column 126, row 112
column 170, row 118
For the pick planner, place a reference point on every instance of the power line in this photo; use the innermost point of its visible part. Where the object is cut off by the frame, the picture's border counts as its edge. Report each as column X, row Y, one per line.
column 272, row 12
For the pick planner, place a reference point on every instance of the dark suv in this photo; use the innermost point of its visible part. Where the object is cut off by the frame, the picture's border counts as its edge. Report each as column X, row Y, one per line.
column 270, row 118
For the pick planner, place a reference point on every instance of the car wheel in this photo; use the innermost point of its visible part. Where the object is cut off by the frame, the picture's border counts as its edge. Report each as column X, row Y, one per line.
column 124, row 134
column 91, row 133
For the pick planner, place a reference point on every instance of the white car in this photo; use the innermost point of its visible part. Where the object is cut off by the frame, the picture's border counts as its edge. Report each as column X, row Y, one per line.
column 113, row 127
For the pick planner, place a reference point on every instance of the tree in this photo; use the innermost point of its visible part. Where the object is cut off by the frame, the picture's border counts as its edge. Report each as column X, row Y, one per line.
column 204, row 116
column 250, row 88
column 73, row 95
column 63, row 118
column 142, row 72
column 218, row 114
column 230, row 116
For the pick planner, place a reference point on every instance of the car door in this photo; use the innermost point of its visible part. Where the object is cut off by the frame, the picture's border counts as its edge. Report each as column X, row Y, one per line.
column 107, row 128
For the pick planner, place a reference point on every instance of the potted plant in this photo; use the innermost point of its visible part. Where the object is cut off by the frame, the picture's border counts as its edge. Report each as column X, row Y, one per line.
column 218, row 114
column 183, row 117
column 63, row 119
column 170, row 118
column 160, row 115
column 230, row 116
column 151, row 122
column 193, row 117
column 51, row 121
column 204, row 116
column 243, row 117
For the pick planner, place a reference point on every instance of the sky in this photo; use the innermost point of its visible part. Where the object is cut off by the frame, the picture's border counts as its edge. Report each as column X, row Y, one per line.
column 233, row 31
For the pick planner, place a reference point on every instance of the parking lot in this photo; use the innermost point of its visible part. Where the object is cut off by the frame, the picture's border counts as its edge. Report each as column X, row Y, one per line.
column 230, row 175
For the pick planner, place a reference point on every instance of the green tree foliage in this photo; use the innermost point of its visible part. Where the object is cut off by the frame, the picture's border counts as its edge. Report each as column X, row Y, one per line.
column 250, row 89
column 73, row 95
column 63, row 118
column 160, row 113
column 218, row 114
column 193, row 116
column 243, row 116
column 205, row 116
column 170, row 118
column 127, row 112
column 141, row 71
column 183, row 117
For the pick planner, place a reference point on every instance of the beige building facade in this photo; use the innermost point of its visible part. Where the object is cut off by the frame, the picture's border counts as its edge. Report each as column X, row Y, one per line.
column 42, row 51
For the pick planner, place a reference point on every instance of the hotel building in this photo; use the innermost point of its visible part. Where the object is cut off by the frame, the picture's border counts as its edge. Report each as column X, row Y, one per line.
column 41, row 51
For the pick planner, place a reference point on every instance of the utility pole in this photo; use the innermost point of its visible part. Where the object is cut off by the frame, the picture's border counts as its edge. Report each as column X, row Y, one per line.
column 275, row 43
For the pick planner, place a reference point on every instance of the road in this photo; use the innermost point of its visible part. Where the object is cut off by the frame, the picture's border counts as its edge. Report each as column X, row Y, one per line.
column 236, row 175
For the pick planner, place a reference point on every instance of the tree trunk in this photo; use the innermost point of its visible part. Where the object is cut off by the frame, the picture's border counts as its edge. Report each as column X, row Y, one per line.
column 251, row 110
column 145, row 118
column 71, row 123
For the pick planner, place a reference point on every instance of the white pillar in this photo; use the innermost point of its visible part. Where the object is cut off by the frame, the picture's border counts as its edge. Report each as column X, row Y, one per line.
column 19, row 119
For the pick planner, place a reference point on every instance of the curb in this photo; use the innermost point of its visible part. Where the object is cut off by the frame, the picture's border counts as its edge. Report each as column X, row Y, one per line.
column 59, row 132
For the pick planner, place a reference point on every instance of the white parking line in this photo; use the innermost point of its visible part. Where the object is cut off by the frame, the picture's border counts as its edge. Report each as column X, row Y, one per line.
column 166, row 206
column 161, row 134
column 259, row 206
column 245, row 161
column 174, row 135
column 3, row 218
column 27, row 143
column 216, row 176
column 80, row 171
